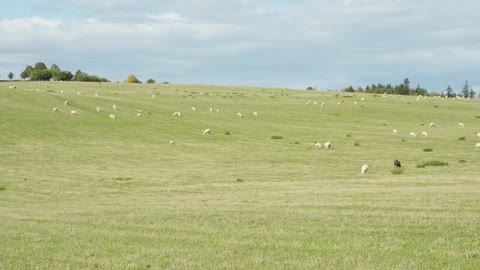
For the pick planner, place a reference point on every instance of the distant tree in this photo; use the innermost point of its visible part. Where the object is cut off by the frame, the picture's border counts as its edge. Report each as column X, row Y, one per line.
column 62, row 75
column 151, row 81
column 466, row 90
column 349, row 89
column 40, row 75
column 10, row 75
column 132, row 79
column 26, row 73
column 54, row 68
column 450, row 91
column 165, row 82
column 40, row 66
column 471, row 93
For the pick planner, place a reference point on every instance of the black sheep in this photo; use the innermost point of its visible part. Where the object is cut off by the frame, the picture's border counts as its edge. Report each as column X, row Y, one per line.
column 397, row 164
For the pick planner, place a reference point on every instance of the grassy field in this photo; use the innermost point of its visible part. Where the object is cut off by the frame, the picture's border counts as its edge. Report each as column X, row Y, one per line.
column 86, row 192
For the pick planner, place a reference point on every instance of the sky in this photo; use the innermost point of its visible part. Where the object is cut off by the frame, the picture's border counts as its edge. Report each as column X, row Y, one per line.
column 327, row 44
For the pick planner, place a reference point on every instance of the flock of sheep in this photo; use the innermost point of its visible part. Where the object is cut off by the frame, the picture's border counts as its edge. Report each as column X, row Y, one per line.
column 326, row 145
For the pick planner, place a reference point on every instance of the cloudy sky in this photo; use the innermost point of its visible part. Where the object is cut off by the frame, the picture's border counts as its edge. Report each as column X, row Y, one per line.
column 330, row 44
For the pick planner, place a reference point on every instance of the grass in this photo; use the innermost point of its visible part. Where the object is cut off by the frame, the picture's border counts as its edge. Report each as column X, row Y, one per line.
column 397, row 171
column 68, row 204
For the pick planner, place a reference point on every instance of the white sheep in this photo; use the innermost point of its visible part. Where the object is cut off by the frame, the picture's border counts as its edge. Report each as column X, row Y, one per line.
column 139, row 114
column 477, row 146
column 73, row 113
column 362, row 99
column 96, row 94
column 395, row 132
column 98, row 109
column 339, row 103
column 461, row 125
column 431, row 125
column 418, row 98
column 177, row 114
column 424, row 134
column 211, row 109
column 194, row 109
column 218, row 111
column 171, row 142
column 315, row 103
column 478, row 134
column 307, row 103
column 328, row 145
column 413, row 134
column 112, row 116
column 114, row 107
column 364, row 169
column 355, row 103
column 239, row 114
column 323, row 104
column 154, row 96
column 206, row 131
column 78, row 93
column 66, row 102
column 255, row 114
column 55, row 109
column 317, row 145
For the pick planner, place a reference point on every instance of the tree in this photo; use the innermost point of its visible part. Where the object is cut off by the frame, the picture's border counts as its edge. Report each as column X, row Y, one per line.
column 40, row 75
column 40, row 66
column 151, row 81
column 54, row 68
column 449, row 91
column 466, row 90
column 26, row 73
column 10, row 75
column 62, row 76
column 471, row 93
column 132, row 79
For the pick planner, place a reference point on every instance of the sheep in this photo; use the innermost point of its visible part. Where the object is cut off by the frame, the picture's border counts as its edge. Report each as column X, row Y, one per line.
column 96, row 94
column 73, row 113
column 114, row 107
column 364, row 169
column 362, row 99
column 307, row 103
column 477, row 146
column 55, row 109
column 397, row 164
column 206, row 131
column 239, row 114
column 355, row 103
column 328, row 145
column 154, row 96
column 461, row 125
column 339, row 103
column 478, row 134
column 139, row 114
column 424, row 134
column 98, row 109
column 177, row 114
column 194, row 109
column 255, row 114
column 418, row 98
column 323, row 104
column 317, row 145
column 211, row 109
column 78, row 93
column 431, row 125
column 315, row 103
column 66, row 103
column 218, row 111
column 395, row 132
column 112, row 116
column 413, row 134
column 171, row 142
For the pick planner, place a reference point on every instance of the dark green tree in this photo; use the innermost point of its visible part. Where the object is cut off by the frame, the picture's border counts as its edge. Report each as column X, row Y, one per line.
column 450, row 91
column 26, row 73
column 471, row 93
column 40, row 66
column 466, row 90
column 10, row 75
column 54, row 67
column 151, row 81
column 40, row 75
column 62, row 76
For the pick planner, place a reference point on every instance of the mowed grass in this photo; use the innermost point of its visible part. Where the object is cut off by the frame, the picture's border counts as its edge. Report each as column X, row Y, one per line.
column 86, row 192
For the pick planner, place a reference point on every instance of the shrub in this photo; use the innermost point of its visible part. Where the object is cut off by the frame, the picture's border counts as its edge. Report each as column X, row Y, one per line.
column 2, row 188
column 462, row 161
column 356, row 144
column 240, row 180
column 276, row 137
column 428, row 150
column 227, row 132
column 397, row 171
column 461, row 139
column 349, row 136
column 432, row 163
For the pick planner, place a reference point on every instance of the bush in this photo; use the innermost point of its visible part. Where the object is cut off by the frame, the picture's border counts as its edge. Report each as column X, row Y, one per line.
column 462, row 161
column 132, row 79
column 227, row 132
column 397, row 171
column 356, row 144
column 461, row 139
column 276, row 137
column 432, row 163
column 428, row 150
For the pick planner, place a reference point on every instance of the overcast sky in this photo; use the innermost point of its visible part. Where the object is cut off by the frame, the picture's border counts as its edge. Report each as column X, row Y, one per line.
column 330, row 44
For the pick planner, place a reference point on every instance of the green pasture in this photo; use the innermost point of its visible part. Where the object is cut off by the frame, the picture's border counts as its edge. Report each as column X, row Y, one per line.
column 89, row 192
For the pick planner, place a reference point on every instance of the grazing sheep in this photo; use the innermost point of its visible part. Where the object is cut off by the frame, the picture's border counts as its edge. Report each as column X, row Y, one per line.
column 55, row 109
column 362, row 99
column 477, row 145
column 395, row 132
column 424, row 134
column 461, row 125
column 317, row 144
column 413, row 134
column 206, row 131
column 431, row 125
column 177, row 114
column 112, row 116
column 478, row 134
column 239, row 114
column 171, row 142
column 66, row 102
column 418, row 98
column 154, row 96
column 315, row 103
column 355, row 103
column 98, row 109
column 78, row 93
column 139, row 114
column 96, row 94
column 218, row 110
column 339, row 103
column 73, row 113
column 114, row 107
column 307, row 103
column 397, row 164
column 328, row 145
column 194, row 109
column 323, row 104
column 211, row 109
column 364, row 169
column 255, row 114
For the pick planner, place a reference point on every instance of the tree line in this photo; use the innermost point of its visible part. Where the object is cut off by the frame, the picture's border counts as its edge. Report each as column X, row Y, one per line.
column 405, row 89
column 40, row 72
